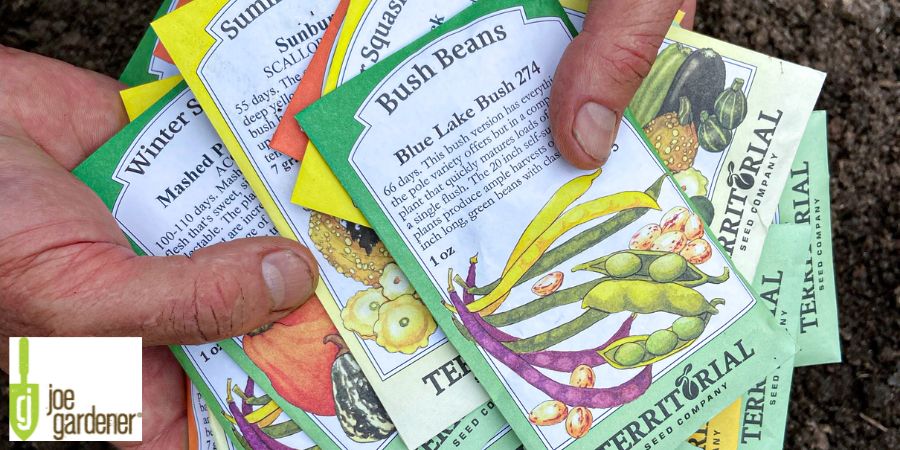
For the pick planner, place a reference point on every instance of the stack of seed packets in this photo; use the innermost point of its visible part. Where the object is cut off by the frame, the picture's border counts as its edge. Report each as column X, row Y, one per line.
column 597, row 309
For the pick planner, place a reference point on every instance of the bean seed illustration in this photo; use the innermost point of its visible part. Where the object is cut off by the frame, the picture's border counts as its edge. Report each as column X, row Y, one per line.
column 661, row 342
column 688, row 328
column 623, row 264
column 629, row 354
column 667, row 268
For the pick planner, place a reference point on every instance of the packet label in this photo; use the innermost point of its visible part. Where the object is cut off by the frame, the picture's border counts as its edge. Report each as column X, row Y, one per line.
column 445, row 178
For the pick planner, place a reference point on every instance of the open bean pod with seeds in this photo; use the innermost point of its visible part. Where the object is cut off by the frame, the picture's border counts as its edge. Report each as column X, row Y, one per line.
column 651, row 265
column 642, row 350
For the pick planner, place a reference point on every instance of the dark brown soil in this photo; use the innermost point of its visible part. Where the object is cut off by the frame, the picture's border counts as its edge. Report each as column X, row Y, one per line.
column 851, row 405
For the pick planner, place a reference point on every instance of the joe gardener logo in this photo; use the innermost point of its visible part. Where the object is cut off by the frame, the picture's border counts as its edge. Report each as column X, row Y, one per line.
column 23, row 398
column 78, row 389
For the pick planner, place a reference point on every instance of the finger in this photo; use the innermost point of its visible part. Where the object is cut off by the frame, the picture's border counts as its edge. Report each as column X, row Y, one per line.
column 66, row 110
column 221, row 291
column 599, row 73
column 690, row 11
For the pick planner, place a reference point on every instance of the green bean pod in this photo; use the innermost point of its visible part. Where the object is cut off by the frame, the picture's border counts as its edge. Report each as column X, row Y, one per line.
column 617, row 265
column 541, row 304
column 646, row 297
column 553, row 336
column 638, row 350
column 578, row 243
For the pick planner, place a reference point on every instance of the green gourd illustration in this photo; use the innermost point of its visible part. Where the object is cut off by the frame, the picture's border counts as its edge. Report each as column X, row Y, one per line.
column 713, row 137
column 731, row 105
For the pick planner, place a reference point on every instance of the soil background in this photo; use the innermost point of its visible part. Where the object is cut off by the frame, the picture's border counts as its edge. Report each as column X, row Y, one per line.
column 839, row 406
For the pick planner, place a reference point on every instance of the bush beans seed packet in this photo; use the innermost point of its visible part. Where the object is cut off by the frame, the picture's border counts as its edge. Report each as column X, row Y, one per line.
column 150, row 61
column 364, row 41
column 131, row 173
column 243, row 67
column 594, row 307
column 806, row 200
column 289, row 138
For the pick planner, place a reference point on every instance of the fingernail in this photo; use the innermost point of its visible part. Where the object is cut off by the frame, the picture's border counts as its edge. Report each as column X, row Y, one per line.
column 594, row 129
column 290, row 278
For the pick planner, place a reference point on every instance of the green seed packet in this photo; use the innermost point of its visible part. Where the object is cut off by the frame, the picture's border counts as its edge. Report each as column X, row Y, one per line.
column 130, row 173
column 605, row 327
column 779, row 282
column 150, row 62
column 806, row 200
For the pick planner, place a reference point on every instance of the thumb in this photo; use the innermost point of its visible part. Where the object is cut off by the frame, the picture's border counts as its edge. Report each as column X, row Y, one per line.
column 219, row 291
column 599, row 73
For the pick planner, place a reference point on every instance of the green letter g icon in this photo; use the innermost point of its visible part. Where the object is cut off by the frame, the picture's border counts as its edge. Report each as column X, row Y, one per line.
column 23, row 398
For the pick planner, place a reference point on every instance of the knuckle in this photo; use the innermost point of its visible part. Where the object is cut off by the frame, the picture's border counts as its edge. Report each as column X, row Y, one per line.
column 214, row 300
column 630, row 57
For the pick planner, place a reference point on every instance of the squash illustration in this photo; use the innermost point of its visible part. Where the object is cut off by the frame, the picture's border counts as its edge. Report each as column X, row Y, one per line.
column 353, row 250
column 359, row 411
column 292, row 354
column 674, row 137
column 404, row 325
column 361, row 312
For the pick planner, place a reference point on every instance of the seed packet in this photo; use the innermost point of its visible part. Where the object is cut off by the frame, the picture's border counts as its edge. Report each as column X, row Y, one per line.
column 248, row 417
column 362, row 288
column 779, row 282
column 172, row 150
column 806, row 200
column 727, row 122
column 289, row 138
column 759, row 418
column 150, row 61
column 203, row 433
column 539, row 273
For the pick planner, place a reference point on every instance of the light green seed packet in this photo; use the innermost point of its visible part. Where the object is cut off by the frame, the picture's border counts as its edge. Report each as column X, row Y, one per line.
column 446, row 149
column 806, row 200
column 779, row 283
column 149, row 61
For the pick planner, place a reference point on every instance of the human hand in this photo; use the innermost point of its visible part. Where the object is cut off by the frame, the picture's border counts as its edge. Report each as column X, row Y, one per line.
column 66, row 269
column 601, row 70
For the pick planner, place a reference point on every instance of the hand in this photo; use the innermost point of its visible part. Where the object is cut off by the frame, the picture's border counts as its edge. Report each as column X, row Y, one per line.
column 67, row 270
column 601, row 70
